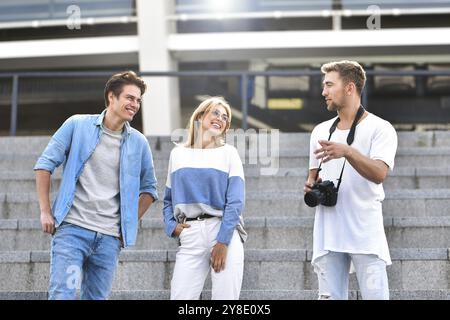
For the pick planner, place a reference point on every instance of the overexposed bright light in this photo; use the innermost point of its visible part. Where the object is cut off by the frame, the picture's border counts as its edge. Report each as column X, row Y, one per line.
column 326, row 13
column 220, row 5
column 125, row 19
column 396, row 12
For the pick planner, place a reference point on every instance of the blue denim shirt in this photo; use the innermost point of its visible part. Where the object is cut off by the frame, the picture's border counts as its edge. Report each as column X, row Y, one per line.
column 73, row 144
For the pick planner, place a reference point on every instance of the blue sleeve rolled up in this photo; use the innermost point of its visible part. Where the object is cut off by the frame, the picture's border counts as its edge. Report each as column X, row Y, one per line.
column 169, row 221
column 148, row 178
column 57, row 149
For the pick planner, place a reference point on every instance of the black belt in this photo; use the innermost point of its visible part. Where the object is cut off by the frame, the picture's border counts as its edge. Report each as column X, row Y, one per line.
column 201, row 217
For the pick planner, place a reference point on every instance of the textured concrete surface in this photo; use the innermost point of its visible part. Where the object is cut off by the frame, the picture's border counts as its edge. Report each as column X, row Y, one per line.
column 277, row 255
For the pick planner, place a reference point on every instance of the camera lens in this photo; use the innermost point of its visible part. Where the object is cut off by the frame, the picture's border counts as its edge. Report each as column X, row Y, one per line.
column 313, row 198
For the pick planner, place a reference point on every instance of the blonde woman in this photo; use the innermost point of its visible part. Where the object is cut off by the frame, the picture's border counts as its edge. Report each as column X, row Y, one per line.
column 203, row 202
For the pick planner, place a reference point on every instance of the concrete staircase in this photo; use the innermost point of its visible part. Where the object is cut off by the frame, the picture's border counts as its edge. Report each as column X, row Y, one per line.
column 278, row 251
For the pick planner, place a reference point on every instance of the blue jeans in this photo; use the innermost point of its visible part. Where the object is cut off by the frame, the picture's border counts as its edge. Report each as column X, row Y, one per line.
column 82, row 259
column 333, row 268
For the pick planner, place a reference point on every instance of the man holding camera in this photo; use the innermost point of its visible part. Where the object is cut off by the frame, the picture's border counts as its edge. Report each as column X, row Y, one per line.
column 350, row 156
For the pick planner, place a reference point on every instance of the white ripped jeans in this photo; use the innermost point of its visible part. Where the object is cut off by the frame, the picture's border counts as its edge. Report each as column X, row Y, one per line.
column 192, row 263
column 332, row 272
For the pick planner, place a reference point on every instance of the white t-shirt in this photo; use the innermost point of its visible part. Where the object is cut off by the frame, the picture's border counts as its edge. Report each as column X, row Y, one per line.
column 355, row 224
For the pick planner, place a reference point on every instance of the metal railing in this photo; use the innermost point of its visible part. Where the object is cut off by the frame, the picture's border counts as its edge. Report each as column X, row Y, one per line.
column 42, row 10
column 187, row 10
column 244, row 77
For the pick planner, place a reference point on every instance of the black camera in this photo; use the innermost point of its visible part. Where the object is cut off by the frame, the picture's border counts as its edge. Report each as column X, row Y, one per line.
column 324, row 193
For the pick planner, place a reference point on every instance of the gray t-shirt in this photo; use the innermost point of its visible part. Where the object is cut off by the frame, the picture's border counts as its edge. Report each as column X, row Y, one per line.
column 96, row 204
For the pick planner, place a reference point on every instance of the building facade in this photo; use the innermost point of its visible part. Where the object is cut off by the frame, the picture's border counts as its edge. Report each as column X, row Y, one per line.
column 408, row 38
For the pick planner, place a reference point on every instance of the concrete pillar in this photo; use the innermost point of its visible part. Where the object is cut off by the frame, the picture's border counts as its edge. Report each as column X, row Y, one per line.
column 161, row 107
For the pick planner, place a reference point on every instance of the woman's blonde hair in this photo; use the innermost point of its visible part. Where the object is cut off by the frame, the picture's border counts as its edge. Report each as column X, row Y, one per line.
column 202, row 109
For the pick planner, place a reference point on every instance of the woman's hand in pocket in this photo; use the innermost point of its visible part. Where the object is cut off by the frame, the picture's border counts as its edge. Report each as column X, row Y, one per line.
column 179, row 228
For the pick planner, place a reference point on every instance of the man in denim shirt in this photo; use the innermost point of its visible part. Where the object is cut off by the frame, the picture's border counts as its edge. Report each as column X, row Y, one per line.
column 108, row 183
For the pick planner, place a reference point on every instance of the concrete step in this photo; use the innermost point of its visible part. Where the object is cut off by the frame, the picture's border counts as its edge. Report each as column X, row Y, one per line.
column 165, row 295
column 405, row 139
column 245, row 295
column 264, row 233
column 299, row 158
column 285, row 141
column 412, row 269
column 296, row 233
column 285, row 179
column 398, row 203
column 286, row 158
column 37, row 144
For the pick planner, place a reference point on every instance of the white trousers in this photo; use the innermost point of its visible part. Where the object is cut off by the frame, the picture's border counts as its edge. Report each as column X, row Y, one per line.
column 192, row 263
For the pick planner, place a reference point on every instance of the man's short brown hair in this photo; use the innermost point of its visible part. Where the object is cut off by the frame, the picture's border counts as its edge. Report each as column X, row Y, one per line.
column 116, row 83
column 349, row 71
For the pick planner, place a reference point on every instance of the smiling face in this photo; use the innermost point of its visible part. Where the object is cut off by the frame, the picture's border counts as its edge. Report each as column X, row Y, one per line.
column 215, row 121
column 333, row 91
column 127, row 104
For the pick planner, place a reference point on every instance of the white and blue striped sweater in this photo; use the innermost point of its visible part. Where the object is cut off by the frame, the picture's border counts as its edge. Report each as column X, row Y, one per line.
column 203, row 181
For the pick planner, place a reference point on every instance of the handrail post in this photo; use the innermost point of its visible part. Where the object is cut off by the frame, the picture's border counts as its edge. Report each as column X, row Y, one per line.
column 14, row 102
column 244, row 99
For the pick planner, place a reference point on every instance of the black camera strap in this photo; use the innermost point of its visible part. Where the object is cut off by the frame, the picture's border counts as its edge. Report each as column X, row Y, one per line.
column 350, row 139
